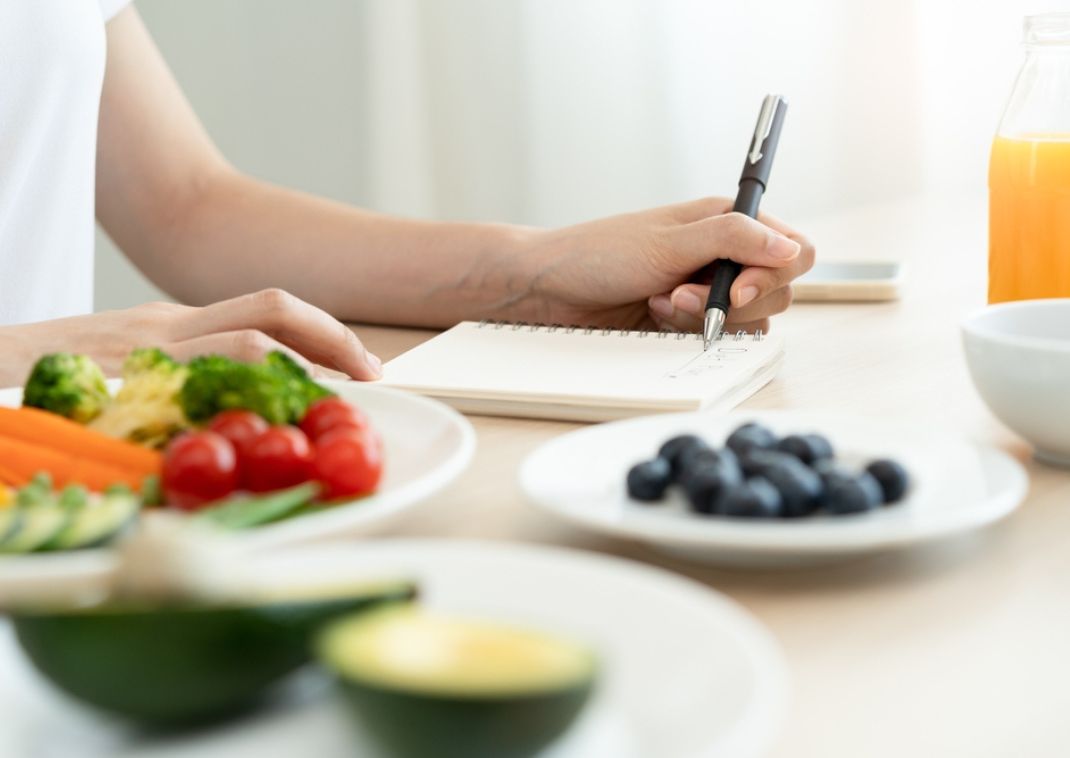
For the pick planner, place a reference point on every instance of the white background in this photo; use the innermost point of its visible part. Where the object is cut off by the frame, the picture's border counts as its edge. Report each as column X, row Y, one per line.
column 554, row 111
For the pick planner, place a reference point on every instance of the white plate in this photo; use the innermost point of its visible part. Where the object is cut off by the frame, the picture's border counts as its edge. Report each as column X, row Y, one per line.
column 426, row 445
column 687, row 672
column 957, row 486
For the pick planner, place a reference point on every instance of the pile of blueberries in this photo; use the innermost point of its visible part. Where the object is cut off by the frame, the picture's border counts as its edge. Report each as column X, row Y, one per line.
column 758, row 475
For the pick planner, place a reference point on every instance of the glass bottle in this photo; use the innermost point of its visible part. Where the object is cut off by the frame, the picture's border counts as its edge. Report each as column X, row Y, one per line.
column 1029, row 172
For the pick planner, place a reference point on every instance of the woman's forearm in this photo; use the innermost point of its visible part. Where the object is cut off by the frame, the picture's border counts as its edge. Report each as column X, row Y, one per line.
column 240, row 235
column 203, row 232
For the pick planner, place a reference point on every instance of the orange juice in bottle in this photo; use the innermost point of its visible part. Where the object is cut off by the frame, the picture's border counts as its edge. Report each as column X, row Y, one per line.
column 1029, row 172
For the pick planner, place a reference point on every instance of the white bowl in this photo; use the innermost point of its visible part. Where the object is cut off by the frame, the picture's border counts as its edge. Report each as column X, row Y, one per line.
column 686, row 673
column 1019, row 357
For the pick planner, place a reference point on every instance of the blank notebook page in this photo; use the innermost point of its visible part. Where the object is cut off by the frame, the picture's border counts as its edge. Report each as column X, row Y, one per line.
column 584, row 374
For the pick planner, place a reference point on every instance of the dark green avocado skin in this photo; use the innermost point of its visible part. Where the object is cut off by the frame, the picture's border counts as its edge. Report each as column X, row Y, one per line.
column 179, row 666
column 409, row 725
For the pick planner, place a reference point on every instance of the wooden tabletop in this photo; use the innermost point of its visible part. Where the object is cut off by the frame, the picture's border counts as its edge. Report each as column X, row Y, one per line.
column 955, row 649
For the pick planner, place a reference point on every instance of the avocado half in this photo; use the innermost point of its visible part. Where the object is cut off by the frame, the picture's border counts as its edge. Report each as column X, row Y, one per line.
column 426, row 685
column 171, row 665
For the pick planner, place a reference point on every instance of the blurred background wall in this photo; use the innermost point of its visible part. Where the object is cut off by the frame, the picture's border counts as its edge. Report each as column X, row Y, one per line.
column 554, row 111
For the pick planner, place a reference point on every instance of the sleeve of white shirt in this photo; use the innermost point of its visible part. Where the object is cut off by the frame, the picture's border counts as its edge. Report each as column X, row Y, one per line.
column 111, row 7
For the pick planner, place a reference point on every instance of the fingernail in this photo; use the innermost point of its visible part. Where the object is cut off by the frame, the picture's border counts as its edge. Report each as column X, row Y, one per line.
column 376, row 364
column 688, row 302
column 746, row 295
column 662, row 306
column 782, row 247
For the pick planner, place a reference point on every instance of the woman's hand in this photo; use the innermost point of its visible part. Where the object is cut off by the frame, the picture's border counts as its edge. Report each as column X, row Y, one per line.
column 639, row 270
column 245, row 327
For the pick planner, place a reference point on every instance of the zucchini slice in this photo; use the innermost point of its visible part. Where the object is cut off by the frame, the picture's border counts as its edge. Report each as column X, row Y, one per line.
column 10, row 521
column 430, row 685
column 39, row 525
column 98, row 521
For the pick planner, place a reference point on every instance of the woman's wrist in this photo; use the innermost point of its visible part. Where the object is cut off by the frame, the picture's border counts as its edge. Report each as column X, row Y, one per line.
column 501, row 282
column 529, row 261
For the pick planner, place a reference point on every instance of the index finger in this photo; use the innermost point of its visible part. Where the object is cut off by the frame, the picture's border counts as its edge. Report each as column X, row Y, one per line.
column 787, row 230
column 310, row 331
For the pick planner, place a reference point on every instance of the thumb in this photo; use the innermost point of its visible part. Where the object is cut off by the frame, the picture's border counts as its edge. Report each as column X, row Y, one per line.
column 733, row 236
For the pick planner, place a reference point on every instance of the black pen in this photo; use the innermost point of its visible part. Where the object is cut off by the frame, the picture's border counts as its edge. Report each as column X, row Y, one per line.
column 752, row 184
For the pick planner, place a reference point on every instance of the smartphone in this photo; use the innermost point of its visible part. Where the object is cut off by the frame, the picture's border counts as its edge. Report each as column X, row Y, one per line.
column 850, row 281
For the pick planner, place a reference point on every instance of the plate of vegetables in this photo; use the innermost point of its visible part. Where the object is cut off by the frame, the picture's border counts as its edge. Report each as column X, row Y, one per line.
column 772, row 488
column 259, row 451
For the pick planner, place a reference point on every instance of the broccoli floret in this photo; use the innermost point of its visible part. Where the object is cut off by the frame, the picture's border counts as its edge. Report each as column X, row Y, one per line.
column 70, row 385
column 146, row 409
column 300, row 382
column 146, row 359
column 278, row 389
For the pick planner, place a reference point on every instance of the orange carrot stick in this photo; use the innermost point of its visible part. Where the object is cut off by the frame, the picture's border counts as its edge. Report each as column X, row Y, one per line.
column 24, row 459
column 39, row 427
column 10, row 478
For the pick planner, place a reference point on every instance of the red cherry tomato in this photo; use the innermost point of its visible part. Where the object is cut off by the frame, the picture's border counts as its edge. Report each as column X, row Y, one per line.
column 330, row 413
column 239, row 427
column 279, row 457
column 348, row 462
column 197, row 468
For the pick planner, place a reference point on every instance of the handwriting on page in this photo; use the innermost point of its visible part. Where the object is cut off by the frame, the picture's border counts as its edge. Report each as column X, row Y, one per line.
column 707, row 363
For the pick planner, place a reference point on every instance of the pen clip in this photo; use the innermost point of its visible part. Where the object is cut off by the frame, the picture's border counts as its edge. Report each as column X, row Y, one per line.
column 765, row 124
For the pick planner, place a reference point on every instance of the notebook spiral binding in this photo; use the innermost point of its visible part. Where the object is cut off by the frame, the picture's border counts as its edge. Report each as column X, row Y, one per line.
column 517, row 326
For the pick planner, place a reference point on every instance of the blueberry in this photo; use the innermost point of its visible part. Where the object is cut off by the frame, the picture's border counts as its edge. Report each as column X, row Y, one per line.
column 750, row 437
column 755, row 498
column 825, row 466
column 754, row 462
column 674, row 449
column 800, row 487
column 705, row 486
column 700, row 459
column 830, row 473
column 851, row 494
column 820, row 446
column 703, row 489
column 808, row 448
column 892, row 477
column 647, row 481
column 694, row 459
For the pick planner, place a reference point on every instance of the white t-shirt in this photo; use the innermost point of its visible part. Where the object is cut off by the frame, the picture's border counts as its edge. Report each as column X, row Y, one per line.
column 51, row 71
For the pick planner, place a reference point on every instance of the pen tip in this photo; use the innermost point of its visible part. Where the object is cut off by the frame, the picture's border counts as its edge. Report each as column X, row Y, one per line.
column 711, row 327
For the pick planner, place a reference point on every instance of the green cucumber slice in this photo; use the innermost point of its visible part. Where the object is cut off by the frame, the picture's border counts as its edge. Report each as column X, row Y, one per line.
column 245, row 511
column 102, row 518
column 10, row 521
column 40, row 525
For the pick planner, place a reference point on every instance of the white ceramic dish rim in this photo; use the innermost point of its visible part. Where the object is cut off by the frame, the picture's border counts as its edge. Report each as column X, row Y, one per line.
column 974, row 326
column 797, row 537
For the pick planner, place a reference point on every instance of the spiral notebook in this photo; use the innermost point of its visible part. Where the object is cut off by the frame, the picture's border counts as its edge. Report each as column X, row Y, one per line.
column 583, row 374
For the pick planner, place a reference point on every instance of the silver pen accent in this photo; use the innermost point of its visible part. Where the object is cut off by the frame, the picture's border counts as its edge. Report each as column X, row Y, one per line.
column 764, row 126
column 712, row 327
